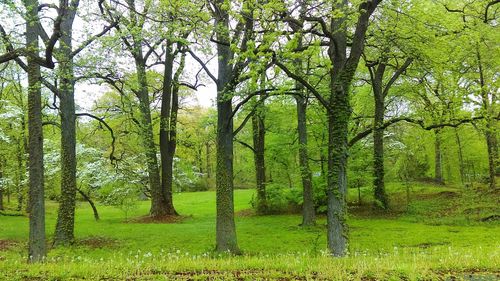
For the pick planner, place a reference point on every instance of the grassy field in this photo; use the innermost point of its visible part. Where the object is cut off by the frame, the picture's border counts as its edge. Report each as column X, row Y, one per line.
column 443, row 234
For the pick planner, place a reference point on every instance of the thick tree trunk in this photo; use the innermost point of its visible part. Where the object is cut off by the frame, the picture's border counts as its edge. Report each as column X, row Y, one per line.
column 338, row 119
column 378, row 141
column 36, row 243
column 91, row 203
column 64, row 233
column 259, row 134
column 168, row 141
column 225, row 225
column 438, row 173
column 308, row 212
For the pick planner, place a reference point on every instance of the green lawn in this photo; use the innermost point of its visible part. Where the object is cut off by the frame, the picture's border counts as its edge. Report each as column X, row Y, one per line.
column 433, row 239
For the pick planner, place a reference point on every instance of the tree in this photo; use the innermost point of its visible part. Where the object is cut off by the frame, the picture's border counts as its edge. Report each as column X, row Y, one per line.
column 380, row 89
column 343, row 57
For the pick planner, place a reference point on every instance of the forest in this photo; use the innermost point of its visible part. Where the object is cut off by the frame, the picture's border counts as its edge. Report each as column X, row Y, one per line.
column 249, row 140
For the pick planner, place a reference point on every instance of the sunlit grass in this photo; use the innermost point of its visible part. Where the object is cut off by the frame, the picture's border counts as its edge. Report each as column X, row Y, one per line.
column 403, row 246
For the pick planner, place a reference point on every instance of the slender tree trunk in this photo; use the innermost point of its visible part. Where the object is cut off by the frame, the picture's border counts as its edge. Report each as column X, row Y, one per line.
column 378, row 140
column 208, row 168
column 259, row 134
column 64, row 233
column 460, row 157
column 36, row 243
column 158, row 200
column 308, row 212
column 438, row 173
column 91, row 203
column 492, row 145
column 2, row 186
column 22, row 146
column 488, row 107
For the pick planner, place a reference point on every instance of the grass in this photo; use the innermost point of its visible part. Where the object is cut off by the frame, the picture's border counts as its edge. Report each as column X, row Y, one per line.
column 436, row 237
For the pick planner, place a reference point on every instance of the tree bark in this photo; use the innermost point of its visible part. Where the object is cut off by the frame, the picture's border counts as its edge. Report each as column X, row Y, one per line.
column 168, row 129
column 491, row 141
column 92, row 204
column 308, row 211
column 438, row 174
column 259, row 134
column 64, row 233
column 158, row 199
column 488, row 107
column 36, row 243
column 225, row 226
column 460, row 157
column 337, row 229
column 378, row 137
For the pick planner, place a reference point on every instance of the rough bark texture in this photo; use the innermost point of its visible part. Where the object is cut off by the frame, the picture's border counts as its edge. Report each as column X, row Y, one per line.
column 64, row 233
column 158, row 200
column 37, row 249
column 339, row 114
column 135, row 47
column 378, row 138
column 438, row 173
column 225, row 226
column 308, row 211
column 259, row 135
column 168, row 126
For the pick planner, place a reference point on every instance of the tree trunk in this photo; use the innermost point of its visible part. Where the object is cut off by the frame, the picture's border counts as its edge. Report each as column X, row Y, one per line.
column 488, row 107
column 2, row 186
column 92, row 205
column 308, row 212
column 460, row 157
column 168, row 123
column 158, row 200
column 338, row 119
column 259, row 134
column 64, row 233
column 208, row 168
column 22, row 146
column 225, row 225
column 491, row 141
column 36, row 244
column 378, row 138
column 438, row 173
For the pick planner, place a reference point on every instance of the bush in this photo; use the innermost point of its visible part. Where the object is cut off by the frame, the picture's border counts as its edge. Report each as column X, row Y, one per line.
column 281, row 199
